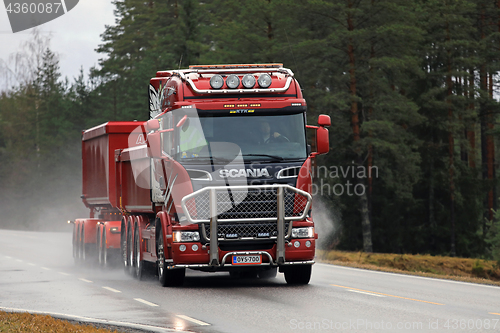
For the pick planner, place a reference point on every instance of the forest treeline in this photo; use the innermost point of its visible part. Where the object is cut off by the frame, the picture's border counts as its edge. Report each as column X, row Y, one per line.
column 411, row 87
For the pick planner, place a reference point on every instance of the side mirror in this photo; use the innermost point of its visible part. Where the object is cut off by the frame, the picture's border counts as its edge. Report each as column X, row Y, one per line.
column 154, row 145
column 324, row 120
column 152, row 125
column 322, row 140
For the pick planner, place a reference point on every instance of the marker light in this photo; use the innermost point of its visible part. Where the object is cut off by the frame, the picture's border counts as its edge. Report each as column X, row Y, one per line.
column 216, row 81
column 265, row 80
column 248, row 81
column 232, row 81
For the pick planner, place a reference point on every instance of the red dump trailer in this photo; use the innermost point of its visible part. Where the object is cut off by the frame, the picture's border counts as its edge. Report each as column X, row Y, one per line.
column 219, row 178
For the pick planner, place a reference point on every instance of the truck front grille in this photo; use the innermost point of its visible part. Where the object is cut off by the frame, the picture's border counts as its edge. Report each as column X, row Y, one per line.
column 245, row 205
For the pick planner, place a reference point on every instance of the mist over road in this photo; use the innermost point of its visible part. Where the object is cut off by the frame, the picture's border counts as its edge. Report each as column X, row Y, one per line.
column 37, row 273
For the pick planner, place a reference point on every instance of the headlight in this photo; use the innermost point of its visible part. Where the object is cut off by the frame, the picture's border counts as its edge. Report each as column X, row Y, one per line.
column 216, row 81
column 307, row 232
column 186, row 236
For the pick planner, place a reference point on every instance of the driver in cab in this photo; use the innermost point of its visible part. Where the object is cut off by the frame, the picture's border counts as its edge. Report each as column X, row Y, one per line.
column 268, row 136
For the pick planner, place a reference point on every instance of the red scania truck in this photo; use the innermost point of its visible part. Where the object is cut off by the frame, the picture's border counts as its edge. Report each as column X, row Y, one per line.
column 219, row 178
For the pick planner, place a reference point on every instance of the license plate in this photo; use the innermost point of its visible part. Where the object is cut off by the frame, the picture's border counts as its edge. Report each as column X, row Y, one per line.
column 247, row 260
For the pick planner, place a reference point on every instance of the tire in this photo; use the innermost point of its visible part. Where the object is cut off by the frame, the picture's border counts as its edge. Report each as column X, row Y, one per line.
column 99, row 243
column 123, row 247
column 167, row 277
column 83, row 253
column 139, row 270
column 75, row 237
column 299, row 274
column 129, row 268
column 76, row 247
column 269, row 273
column 105, row 262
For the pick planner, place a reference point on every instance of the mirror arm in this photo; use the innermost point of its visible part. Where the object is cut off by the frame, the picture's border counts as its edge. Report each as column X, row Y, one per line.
column 166, row 130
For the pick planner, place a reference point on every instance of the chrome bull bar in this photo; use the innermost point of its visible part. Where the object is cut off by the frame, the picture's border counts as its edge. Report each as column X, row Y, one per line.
column 301, row 198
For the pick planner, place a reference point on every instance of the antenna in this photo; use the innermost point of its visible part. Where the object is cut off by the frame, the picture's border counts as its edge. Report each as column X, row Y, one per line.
column 180, row 62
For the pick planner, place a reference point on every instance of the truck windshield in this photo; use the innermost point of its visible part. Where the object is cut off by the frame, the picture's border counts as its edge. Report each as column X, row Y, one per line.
column 255, row 137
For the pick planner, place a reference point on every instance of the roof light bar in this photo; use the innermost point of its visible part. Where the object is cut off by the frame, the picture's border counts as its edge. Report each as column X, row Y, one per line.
column 236, row 66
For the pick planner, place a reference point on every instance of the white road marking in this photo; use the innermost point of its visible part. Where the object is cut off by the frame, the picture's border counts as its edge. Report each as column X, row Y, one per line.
column 47, row 269
column 19, row 260
column 31, row 264
column 362, row 292
column 145, row 302
column 85, row 280
column 94, row 320
column 196, row 321
column 111, row 289
column 62, row 273
column 8, row 257
column 472, row 284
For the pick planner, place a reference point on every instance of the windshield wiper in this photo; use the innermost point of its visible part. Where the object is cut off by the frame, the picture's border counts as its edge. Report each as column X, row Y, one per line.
column 278, row 158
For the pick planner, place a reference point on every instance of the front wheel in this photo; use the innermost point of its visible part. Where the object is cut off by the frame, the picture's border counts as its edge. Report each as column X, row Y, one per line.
column 298, row 274
column 167, row 277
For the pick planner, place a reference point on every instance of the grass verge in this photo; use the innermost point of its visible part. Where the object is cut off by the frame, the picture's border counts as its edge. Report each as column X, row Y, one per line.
column 32, row 323
column 460, row 269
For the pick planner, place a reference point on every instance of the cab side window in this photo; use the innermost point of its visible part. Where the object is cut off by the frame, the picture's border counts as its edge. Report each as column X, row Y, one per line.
column 167, row 137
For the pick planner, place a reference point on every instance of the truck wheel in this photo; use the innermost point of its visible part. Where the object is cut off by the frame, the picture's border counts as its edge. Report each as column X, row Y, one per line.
column 76, row 247
column 167, row 277
column 268, row 273
column 83, row 253
column 298, row 274
column 104, row 250
column 129, row 268
column 138, row 263
column 99, row 247
column 123, row 247
column 75, row 237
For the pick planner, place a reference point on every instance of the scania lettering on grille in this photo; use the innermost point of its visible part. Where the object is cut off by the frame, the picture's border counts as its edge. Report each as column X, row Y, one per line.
column 235, row 173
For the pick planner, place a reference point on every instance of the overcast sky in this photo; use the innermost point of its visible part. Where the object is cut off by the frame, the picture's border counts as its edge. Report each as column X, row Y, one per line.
column 75, row 35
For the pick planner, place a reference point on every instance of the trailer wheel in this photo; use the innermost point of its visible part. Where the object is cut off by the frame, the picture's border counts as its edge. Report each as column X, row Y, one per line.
column 268, row 273
column 83, row 253
column 138, row 263
column 75, row 235
column 129, row 268
column 103, row 251
column 123, row 246
column 167, row 277
column 298, row 274
column 99, row 247
column 76, row 246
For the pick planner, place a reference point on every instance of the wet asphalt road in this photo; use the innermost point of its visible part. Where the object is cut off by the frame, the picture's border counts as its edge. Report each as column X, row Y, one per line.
column 37, row 273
